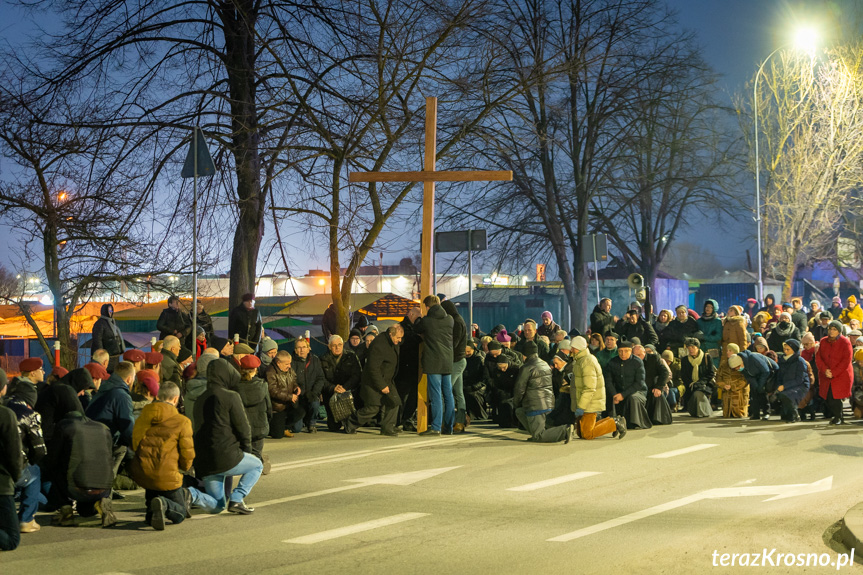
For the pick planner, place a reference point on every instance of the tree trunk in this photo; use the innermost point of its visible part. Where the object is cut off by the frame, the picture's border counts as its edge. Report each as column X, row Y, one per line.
column 239, row 19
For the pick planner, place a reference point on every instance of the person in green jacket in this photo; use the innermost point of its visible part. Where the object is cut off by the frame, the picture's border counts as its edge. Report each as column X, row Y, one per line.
column 711, row 326
column 603, row 356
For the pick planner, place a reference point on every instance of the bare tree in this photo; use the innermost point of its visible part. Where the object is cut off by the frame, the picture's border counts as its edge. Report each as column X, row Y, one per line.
column 810, row 119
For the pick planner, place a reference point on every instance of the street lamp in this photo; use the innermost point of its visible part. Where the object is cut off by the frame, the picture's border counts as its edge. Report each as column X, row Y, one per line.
column 805, row 39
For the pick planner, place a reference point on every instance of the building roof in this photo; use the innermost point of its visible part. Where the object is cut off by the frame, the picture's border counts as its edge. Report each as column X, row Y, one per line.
column 379, row 305
column 501, row 294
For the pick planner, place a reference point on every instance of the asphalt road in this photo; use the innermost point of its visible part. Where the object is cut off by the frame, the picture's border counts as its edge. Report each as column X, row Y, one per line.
column 487, row 501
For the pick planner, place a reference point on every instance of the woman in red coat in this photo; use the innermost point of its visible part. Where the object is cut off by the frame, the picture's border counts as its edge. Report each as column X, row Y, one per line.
column 835, row 372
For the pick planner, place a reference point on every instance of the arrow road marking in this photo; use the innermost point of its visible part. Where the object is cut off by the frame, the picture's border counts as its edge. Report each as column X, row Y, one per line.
column 555, row 481
column 351, row 529
column 778, row 491
column 402, row 479
column 683, row 451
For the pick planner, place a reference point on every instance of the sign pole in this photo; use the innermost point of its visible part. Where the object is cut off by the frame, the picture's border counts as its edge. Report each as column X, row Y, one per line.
column 595, row 268
column 470, row 280
column 195, row 247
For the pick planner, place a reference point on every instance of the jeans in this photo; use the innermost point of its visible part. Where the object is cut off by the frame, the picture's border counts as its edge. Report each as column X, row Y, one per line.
column 10, row 536
column 175, row 506
column 212, row 499
column 442, row 417
column 310, row 417
column 458, row 390
column 28, row 489
column 286, row 419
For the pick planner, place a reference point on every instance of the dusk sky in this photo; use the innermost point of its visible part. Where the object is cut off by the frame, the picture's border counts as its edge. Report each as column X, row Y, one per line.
column 735, row 35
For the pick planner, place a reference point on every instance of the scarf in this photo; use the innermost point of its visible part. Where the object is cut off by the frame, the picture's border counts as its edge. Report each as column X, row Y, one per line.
column 695, row 362
column 784, row 329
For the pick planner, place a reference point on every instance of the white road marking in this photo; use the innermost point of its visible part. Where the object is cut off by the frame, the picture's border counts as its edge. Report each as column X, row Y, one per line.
column 352, row 529
column 778, row 492
column 407, row 478
column 683, row 451
column 555, row 481
column 442, row 441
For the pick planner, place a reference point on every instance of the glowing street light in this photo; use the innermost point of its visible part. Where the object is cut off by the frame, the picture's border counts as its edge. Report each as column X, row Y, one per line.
column 805, row 39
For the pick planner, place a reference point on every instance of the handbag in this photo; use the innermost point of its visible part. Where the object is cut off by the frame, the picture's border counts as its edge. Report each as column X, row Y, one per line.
column 342, row 405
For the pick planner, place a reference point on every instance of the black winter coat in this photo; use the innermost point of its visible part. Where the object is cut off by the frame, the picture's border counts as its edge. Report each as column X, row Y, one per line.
column 533, row 388
column 474, row 372
column 112, row 406
column 409, row 355
column 10, row 452
column 310, row 375
column 459, row 331
column 345, row 371
column 223, row 433
column 706, row 381
column 656, row 374
column 436, row 329
column 641, row 329
column 676, row 332
column 627, row 377
column 782, row 332
column 382, row 364
column 81, row 454
column 247, row 323
column 104, row 335
column 170, row 321
column 256, row 402
column 601, row 322
column 55, row 401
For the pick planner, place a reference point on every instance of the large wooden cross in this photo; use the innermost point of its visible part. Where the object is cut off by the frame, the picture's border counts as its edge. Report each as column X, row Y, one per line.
column 428, row 177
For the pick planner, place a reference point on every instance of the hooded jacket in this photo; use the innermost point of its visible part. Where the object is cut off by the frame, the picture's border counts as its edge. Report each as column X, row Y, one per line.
column 112, row 406
column 711, row 327
column 757, row 369
column 587, row 391
column 459, row 331
column 81, row 454
column 106, row 334
column 10, row 452
column 222, row 433
column 197, row 385
column 256, row 402
column 163, row 445
column 793, row 375
column 436, row 329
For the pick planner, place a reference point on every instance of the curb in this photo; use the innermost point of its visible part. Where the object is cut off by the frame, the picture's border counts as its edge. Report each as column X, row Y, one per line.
column 851, row 531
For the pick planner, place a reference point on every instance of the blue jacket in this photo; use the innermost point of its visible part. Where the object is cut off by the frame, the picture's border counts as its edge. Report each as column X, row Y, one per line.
column 794, row 376
column 757, row 369
column 112, row 406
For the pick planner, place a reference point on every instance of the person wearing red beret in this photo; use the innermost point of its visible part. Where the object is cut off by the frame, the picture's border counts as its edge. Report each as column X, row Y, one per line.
column 32, row 376
column 256, row 401
column 145, row 389
column 153, row 362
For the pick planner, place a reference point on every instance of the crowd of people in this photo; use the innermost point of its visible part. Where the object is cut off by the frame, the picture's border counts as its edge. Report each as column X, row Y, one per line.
column 185, row 419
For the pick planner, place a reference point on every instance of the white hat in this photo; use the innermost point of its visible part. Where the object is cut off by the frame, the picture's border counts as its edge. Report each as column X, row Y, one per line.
column 735, row 361
column 579, row 343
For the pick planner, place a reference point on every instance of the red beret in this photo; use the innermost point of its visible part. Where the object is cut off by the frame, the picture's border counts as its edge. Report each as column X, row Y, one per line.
column 153, row 357
column 97, row 371
column 250, row 362
column 149, row 379
column 30, row 364
column 248, row 297
column 59, row 371
column 134, row 355
column 190, row 369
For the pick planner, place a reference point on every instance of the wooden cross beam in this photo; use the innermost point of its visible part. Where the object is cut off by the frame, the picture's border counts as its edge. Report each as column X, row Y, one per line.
column 428, row 177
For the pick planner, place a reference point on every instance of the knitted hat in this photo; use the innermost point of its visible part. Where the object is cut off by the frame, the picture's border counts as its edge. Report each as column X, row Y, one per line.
column 814, row 302
column 807, row 337
column 651, row 347
column 269, row 344
column 503, row 337
column 691, row 341
column 735, row 361
column 97, row 371
column 825, row 315
column 134, row 355
column 634, row 341
column 668, row 356
column 565, row 344
column 502, row 358
column 837, row 325
column 784, row 316
column 733, row 347
column 354, row 332
column 852, row 299
column 530, row 348
column 562, row 356
column 30, row 364
column 858, row 355
column 837, row 300
column 579, row 343
column 184, row 354
column 493, row 345
column 248, row 297
column 546, row 314
column 793, row 344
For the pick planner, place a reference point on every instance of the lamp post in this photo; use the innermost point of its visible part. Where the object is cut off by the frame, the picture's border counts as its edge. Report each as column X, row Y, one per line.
column 805, row 38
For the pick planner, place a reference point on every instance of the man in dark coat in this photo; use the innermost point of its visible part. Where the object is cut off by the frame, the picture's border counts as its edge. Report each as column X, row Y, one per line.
column 474, row 381
column 310, row 379
column 820, row 325
column 329, row 323
column 408, row 375
column 436, row 330
column 657, row 376
column 499, row 389
column 530, row 335
column 533, row 399
column 246, row 320
column 378, row 389
column 677, row 330
column 626, row 374
column 601, row 320
column 343, row 372
column 170, row 370
column 202, row 321
column 633, row 325
column 459, row 343
column 10, row 471
column 112, row 405
column 223, row 443
column 174, row 322
column 107, row 336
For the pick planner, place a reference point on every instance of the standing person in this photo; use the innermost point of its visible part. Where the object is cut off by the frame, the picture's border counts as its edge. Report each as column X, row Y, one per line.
column 548, row 327
column 634, row 326
column 329, row 322
column 174, row 322
column 256, row 402
column 106, row 335
column 798, row 316
column 21, row 402
column 782, row 332
column 678, row 330
column 170, row 370
column 698, row 375
column 711, row 328
column 587, row 396
column 10, row 473
column 792, row 380
column 533, row 399
column 836, row 307
column 205, row 322
column 835, row 372
column 163, row 446
column 223, row 443
column 601, row 320
column 769, row 303
column 378, row 390
column 310, row 378
column 624, row 374
column 343, row 373
column 246, row 320
column 459, row 343
column 284, row 395
column 408, row 375
column 436, row 329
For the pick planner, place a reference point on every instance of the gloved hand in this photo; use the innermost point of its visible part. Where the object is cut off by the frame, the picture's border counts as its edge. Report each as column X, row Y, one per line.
column 579, row 412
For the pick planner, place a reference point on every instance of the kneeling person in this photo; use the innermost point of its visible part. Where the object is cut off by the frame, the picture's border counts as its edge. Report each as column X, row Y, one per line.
column 587, row 395
column 163, row 445
column 627, row 379
column 378, row 389
column 533, row 398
